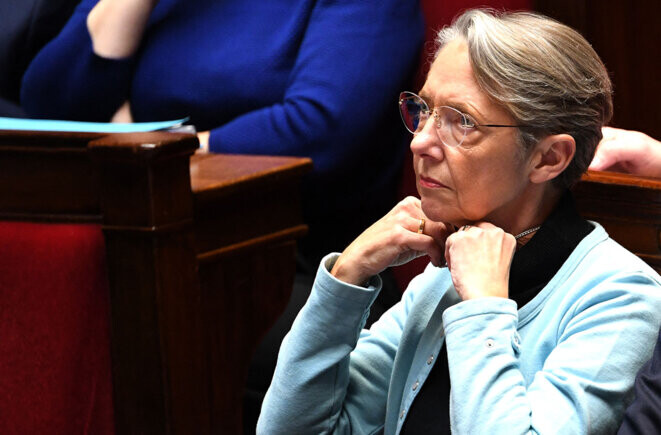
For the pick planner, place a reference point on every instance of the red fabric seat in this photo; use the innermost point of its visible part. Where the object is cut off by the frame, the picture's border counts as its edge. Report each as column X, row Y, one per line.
column 55, row 372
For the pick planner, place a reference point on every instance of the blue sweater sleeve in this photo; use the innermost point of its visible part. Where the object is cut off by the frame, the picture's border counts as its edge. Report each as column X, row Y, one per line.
column 67, row 80
column 584, row 379
column 352, row 60
column 331, row 377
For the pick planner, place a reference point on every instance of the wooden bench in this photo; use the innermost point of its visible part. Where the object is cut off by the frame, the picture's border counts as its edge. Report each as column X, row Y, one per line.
column 199, row 255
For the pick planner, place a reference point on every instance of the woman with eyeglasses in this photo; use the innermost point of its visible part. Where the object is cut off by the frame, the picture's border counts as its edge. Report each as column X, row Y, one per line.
column 529, row 319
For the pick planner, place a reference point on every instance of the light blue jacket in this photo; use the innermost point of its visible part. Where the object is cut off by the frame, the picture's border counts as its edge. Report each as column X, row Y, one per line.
column 563, row 363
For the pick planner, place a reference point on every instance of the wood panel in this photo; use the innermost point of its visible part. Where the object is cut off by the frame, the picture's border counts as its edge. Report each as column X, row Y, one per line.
column 626, row 35
column 245, row 225
column 629, row 208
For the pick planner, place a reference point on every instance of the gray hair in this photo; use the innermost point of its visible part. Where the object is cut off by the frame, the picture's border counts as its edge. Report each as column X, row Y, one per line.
column 545, row 74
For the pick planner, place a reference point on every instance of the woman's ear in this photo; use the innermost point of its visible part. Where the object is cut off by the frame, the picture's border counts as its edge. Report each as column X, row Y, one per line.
column 551, row 156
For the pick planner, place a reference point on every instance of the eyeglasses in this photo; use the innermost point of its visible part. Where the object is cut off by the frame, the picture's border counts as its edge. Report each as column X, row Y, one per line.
column 452, row 126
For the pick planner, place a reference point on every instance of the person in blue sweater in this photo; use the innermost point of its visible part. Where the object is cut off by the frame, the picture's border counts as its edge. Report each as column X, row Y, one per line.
column 529, row 318
column 300, row 78
column 310, row 78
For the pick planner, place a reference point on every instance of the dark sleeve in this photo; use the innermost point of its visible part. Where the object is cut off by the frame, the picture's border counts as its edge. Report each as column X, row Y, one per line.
column 25, row 27
column 10, row 109
column 66, row 80
column 352, row 60
column 644, row 415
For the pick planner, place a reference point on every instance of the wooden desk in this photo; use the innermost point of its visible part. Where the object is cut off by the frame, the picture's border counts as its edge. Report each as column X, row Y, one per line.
column 629, row 207
column 200, row 259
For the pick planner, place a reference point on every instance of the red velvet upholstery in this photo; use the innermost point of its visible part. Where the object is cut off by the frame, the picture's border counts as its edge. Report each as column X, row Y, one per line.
column 437, row 14
column 54, row 330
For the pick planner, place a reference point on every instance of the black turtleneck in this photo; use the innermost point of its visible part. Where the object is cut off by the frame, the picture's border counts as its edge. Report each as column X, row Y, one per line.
column 533, row 266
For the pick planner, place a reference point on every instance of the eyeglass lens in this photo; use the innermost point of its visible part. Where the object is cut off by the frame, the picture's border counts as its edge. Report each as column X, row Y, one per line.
column 451, row 124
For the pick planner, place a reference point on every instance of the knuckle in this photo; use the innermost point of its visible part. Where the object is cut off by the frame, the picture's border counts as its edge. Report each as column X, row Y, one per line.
column 401, row 214
column 399, row 234
column 408, row 201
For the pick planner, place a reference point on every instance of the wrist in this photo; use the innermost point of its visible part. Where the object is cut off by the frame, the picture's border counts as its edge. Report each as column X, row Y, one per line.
column 347, row 274
column 486, row 290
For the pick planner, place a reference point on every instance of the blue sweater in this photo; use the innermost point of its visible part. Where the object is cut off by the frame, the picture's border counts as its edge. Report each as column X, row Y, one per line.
column 564, row 363
column 315, row 78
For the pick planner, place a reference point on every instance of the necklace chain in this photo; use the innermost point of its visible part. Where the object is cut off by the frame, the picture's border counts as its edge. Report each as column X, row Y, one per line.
column 526, row 232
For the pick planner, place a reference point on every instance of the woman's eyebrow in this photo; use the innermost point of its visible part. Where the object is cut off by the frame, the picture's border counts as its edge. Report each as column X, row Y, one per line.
column 459, row 105
column 454, row 104
column 425, row 96
column 466, row 109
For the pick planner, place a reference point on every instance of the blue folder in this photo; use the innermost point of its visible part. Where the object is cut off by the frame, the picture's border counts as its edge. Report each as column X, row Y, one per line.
column 94, row 127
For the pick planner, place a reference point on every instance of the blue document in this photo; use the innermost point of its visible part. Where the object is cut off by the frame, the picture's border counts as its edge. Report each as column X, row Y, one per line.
column 88, row 127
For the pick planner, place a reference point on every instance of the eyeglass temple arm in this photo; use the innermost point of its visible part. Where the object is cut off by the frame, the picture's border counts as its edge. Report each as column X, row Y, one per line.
column 499, row 125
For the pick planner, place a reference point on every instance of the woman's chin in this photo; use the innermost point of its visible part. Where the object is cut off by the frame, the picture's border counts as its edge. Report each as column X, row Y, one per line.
column 439, row 212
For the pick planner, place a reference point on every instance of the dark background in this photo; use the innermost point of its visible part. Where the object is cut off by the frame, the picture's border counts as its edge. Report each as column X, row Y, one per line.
column 627, row 37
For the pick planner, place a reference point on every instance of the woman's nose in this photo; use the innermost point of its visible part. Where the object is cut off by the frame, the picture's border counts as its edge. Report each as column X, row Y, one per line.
column 427, row 143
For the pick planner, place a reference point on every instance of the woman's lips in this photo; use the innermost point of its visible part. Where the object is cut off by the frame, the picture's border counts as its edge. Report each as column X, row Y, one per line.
column 430, row 183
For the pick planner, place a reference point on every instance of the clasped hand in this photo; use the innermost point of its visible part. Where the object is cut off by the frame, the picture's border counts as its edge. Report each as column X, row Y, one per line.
column 478, row 256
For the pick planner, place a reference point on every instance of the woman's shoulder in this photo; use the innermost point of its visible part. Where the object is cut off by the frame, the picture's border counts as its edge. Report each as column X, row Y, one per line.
column 599, row 255
column 602, row 272
column 599, row 273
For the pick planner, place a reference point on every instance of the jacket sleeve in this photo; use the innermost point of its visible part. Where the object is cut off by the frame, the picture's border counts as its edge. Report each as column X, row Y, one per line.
column 352, row 61
column 607, row 336
column 67, row 80
column 643, row 416
column 331, row 376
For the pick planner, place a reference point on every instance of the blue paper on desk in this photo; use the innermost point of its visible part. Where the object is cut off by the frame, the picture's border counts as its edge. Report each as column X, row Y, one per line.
column 87, row 127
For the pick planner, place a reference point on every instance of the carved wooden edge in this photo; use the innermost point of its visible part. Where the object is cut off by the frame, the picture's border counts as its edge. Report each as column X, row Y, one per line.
column 143, row 146
column 621, row 203
column 619, row 196
column 45, row 141
column 604, row 177
column 252, row 244
column 276, row 170
column 52, row 218
column 29, row 162
column 159, row 369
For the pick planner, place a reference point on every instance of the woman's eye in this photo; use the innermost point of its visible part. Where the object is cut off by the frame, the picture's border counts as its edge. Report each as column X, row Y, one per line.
column 466, row 122
column 423, row 109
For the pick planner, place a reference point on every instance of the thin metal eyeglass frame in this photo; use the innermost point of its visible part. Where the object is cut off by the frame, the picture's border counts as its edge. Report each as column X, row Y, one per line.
column 433, row 113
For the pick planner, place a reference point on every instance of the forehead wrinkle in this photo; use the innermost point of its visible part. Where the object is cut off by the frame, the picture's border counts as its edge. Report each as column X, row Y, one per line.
column 461, row 103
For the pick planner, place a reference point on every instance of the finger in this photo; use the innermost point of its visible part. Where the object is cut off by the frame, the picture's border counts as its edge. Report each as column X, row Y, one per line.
column 410, row 203
column 439, row 231
column 608, row 154
column 422, row 225
column 413, row 223
column 449, row 242
column 426, row 245
column 610, row 133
